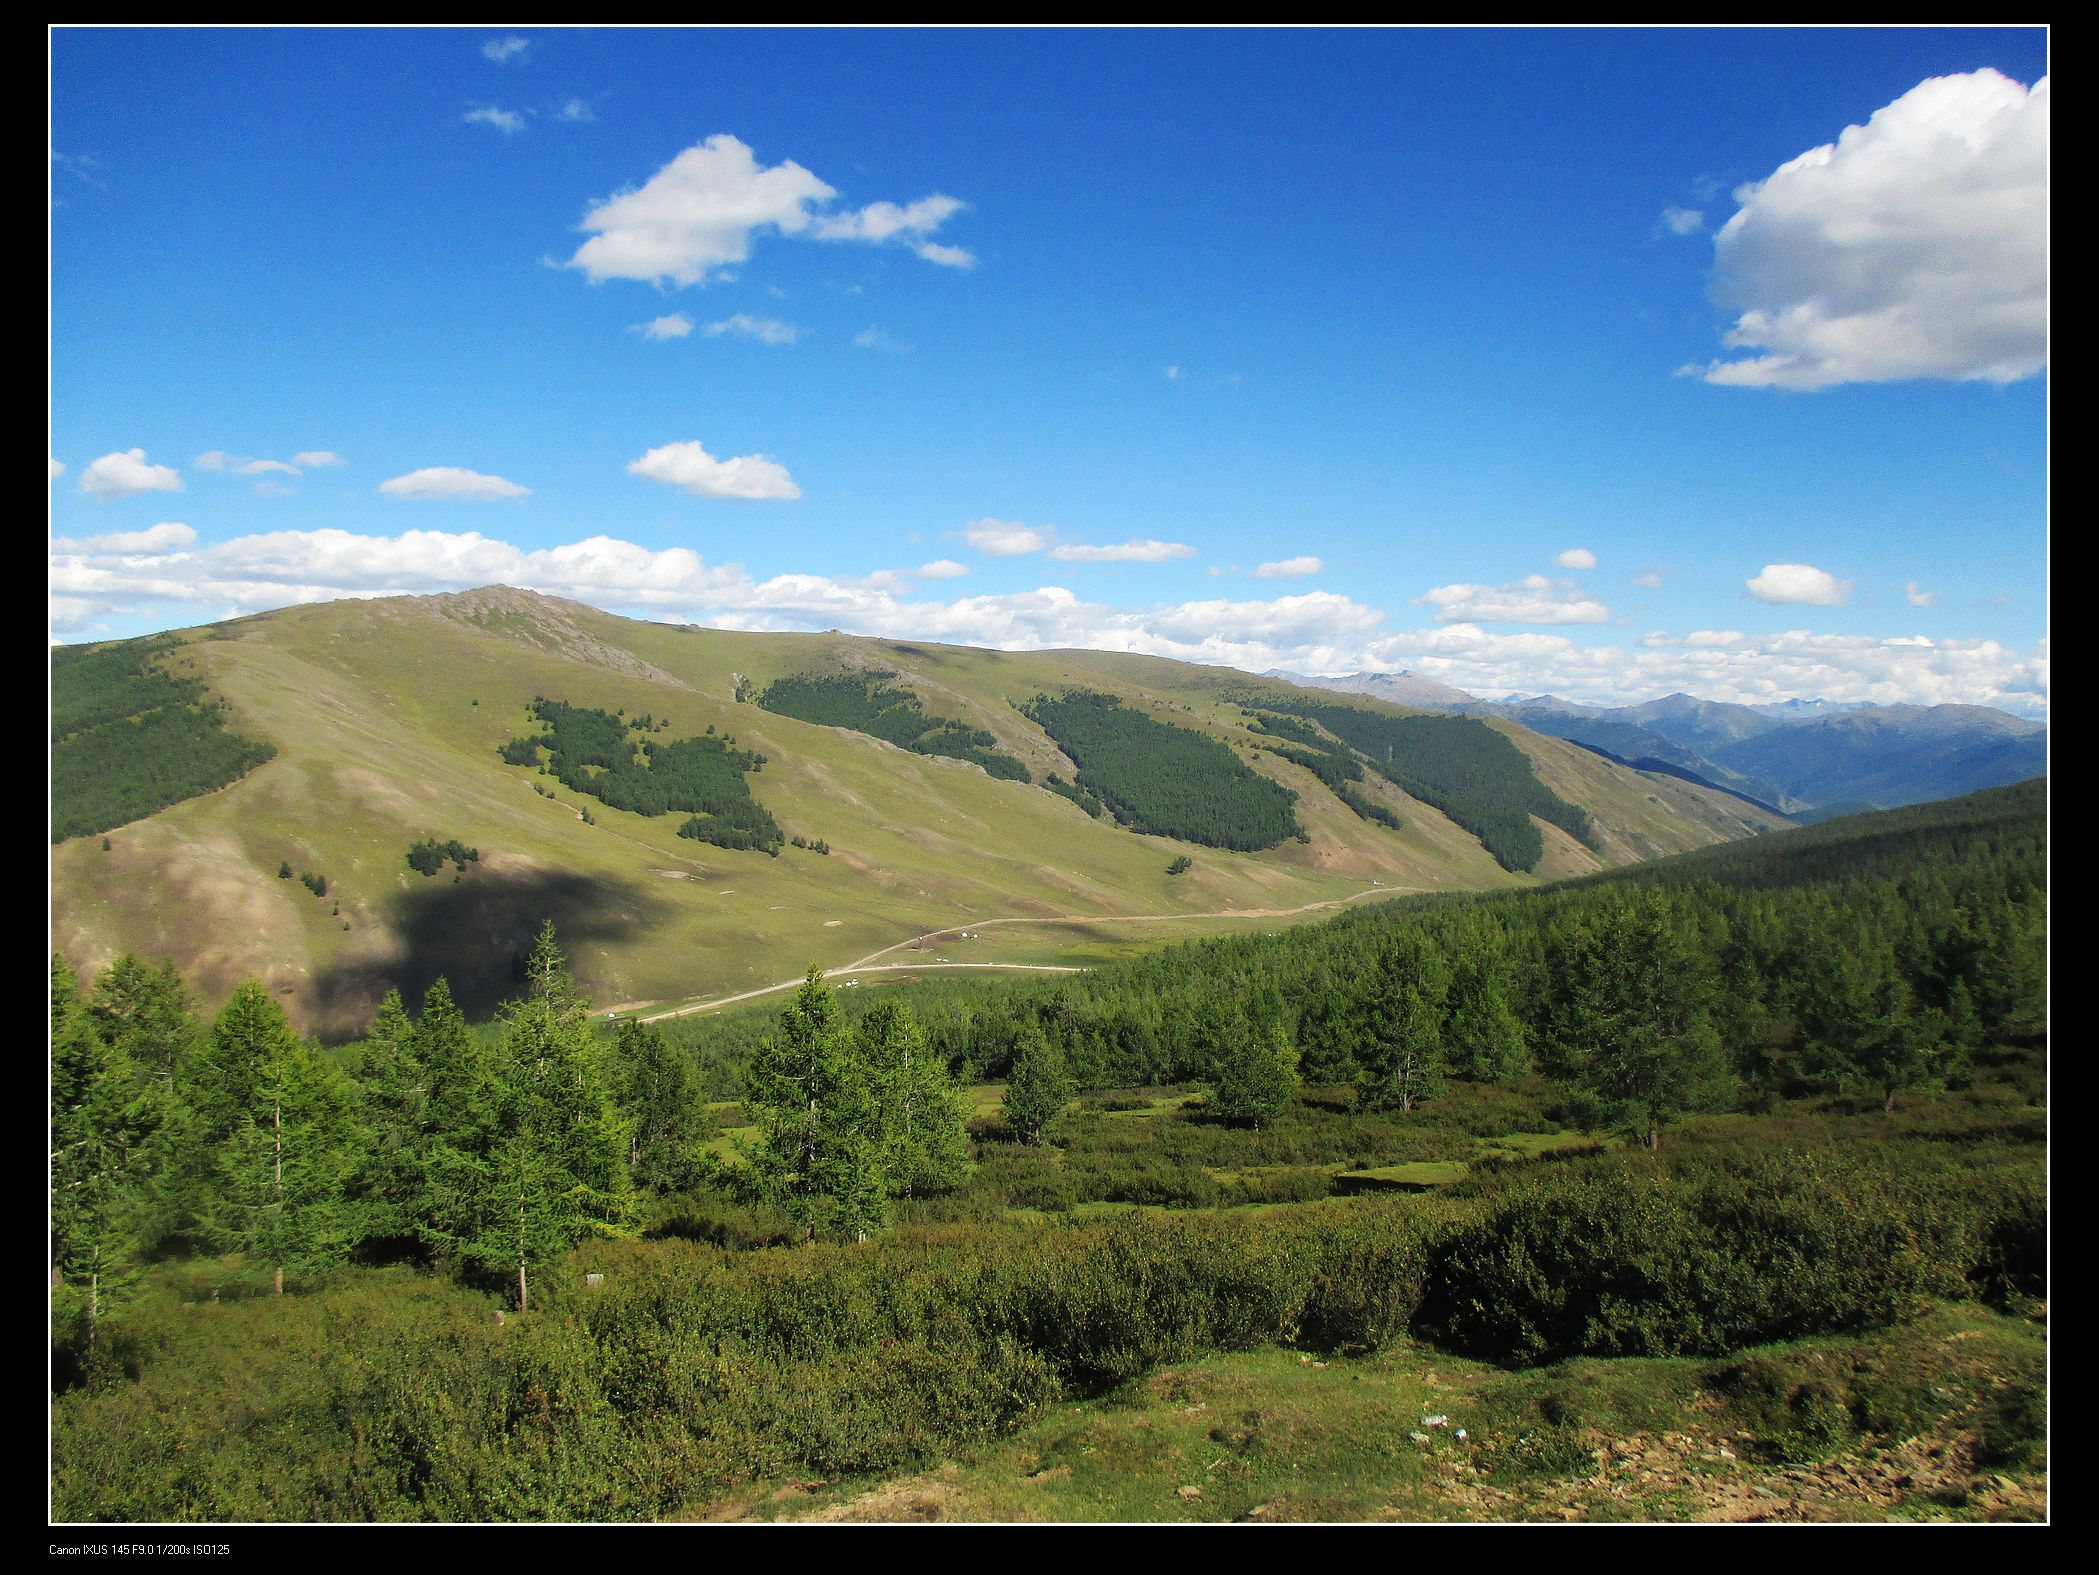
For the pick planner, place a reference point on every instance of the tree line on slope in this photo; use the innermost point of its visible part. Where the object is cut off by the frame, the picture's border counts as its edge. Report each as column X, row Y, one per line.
column 129, row 738
column 1164, row 780
column 866, row 703
column 1459, row 765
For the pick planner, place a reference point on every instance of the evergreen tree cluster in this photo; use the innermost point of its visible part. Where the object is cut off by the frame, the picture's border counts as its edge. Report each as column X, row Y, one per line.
column 1078, row 795
column 129, row 738
column 865, row 702
column 428, row 856
column 1164, row 780
column 488, row 1153
column 1459, row 765
column 850, row 1116
column 591, row 752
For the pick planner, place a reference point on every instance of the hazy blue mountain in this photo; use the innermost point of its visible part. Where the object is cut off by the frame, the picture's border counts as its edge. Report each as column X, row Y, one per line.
column 1797, row 756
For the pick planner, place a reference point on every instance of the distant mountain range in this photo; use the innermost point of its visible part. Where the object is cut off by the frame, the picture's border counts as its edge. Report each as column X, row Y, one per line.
column 1797, row 756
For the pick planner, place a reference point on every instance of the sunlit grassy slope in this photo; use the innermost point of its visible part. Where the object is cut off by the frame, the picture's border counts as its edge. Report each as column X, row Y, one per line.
column 387, row 716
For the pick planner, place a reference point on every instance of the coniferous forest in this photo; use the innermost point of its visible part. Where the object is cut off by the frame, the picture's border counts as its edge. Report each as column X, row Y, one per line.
column 546, row 1266
column 591, row 752
column 129, row 738
column 1164, row 780
column 1458, row 764
column 866, row 703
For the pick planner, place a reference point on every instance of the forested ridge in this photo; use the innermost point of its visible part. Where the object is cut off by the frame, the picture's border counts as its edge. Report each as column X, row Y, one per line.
column 129, row 738
column 868, row 703
column 1457, row 764
column 592, row 752
column 1164, row 780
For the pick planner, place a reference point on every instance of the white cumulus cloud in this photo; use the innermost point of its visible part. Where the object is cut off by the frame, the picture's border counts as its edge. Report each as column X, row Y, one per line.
column 1919, row 597
column 450, row 481
column 317, row 459
column 1682, row 221
column 691, row 467
column 1914, row 246
column 58, row 469
column 127, row 474
column 698, row 214
column 502, row 50
column 1533, row 599
column 1799, row 584
column 1576, row 558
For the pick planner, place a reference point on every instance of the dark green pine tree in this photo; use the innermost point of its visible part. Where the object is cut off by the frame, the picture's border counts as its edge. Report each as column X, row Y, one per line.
column 918, row 1109
column 1400, row 1055
column 1865, row 1028
column 662, row 1097
column 291, row 1163
column 105, row 1116
column 396, row 1113
column 553, row 1168
column 1255, row 1076
column 1629, row 1028
column 146, row 1014
column 819, row 1151
column 1483, row 1032
column 1038, row 1088
column 463, row 1097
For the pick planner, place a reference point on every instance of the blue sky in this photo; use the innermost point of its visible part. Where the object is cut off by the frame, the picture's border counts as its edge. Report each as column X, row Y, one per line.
column 1526, row 360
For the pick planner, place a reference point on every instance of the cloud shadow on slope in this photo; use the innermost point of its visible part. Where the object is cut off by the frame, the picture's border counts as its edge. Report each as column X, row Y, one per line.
column 476, row 935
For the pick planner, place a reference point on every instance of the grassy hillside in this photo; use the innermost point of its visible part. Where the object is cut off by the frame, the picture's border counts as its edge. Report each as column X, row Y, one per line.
column 388, row 718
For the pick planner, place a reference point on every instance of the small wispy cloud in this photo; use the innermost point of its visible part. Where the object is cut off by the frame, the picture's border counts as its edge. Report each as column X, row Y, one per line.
column 575, row 112
column 507, row 121
column 1919, row 597
column 1682, row 221
column 675, row 326
column 504, row 50
column 1290, row 568
column 450, row 481
column 874, row 338
column 766, row 330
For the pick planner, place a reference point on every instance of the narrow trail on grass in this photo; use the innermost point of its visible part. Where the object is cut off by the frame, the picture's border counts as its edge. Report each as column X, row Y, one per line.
column 869, row 963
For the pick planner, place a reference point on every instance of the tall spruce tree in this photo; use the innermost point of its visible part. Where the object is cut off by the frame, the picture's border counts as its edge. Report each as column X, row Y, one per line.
column 106, row 1115
column 918, row 1109
column 292, row 1158
column 1483, row 1032
column 665, row 1104
column 1255, row 1075
column 819, row 1151
column 1038, row 1088
column 552, row 1165
column 1400, row 1055
column 1629, row 1027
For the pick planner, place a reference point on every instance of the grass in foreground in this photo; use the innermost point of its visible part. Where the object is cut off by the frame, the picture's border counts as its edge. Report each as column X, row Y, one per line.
column 1938, row 1419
